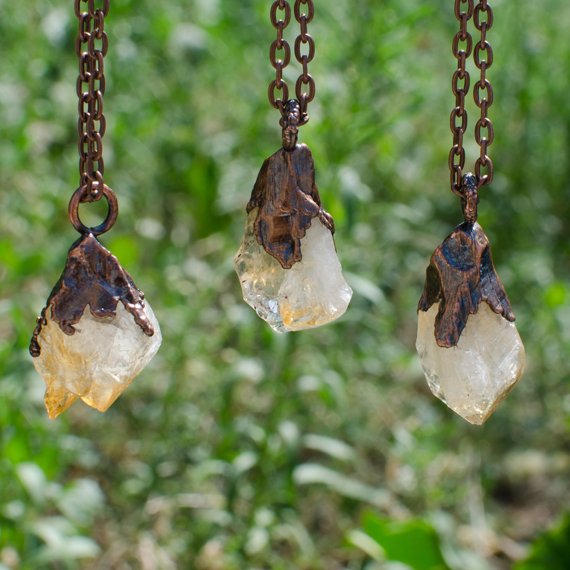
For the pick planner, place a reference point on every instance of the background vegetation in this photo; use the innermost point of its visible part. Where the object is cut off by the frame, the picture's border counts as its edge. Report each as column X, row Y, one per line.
column 238, row 448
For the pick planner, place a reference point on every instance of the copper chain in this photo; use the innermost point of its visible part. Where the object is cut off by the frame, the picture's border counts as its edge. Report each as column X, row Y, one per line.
column 483, row 48
column 457, row 153
column 90, row 90
column 92, row 124
column 303, row 18
column 279, row 64
column 464, row 11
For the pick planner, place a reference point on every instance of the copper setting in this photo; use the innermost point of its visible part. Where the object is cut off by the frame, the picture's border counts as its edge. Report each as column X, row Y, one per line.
column 94, row 277
column 287, row 196
column 461, row 275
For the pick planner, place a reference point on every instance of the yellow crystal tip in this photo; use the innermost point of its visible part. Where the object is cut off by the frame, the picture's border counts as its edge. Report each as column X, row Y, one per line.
column 98, row 362
column 57, row 399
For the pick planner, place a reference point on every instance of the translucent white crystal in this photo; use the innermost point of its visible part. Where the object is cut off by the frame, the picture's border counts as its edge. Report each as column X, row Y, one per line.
column 312, row 293
column 475, row 376
column 98, row 362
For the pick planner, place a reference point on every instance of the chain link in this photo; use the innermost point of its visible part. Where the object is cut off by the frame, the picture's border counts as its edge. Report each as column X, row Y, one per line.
column 304, row 11
column 91, row 48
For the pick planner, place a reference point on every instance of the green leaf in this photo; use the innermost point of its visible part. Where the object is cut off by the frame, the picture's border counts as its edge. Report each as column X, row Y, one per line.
column 412, row 542
column 551, row 550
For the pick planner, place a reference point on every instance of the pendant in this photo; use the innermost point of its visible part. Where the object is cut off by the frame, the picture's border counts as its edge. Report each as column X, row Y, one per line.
column 96, row 333
column 287, row 264
column 469, row 347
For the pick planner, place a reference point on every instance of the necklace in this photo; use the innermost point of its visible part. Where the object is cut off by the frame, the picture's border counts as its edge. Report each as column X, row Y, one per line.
column 96, row 333
column 468, row 344
column 287, row 264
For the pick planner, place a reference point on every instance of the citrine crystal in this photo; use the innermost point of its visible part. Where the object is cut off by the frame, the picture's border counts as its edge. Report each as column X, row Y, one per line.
column 476, row 375
column 96, row 332
column 311, row 293
column 97, row 362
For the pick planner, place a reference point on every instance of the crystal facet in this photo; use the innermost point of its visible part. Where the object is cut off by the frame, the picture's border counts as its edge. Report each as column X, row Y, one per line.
column 97, row 362
column 476, row 375
column 312, row 293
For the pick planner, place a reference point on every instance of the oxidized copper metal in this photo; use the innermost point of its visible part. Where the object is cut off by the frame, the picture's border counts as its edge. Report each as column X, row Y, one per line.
column 304, row 18
column 82, row 195
column 461, row 275
column 482, row 92
column 287, row 195
column 91, row 47
column 92, row 276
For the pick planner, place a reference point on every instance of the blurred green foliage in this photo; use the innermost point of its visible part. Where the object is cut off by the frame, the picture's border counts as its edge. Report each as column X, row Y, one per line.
column 550, row 550
column 238, row 448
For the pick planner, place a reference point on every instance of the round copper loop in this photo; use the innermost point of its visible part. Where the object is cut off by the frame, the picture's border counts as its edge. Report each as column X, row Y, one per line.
column 82, row 193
